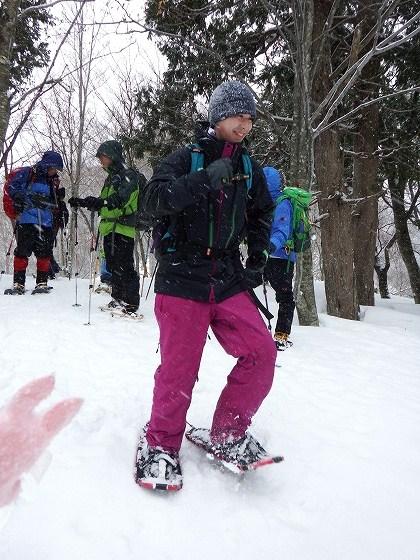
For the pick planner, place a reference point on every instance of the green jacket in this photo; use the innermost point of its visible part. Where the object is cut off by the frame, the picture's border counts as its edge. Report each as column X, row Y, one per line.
column 121, row 191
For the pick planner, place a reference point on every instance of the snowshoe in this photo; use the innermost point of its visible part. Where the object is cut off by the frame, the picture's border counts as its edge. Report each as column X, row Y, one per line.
column 157, row 469
column 118, row 309
column 17, row 290
column 237, row 456
column 41, row 288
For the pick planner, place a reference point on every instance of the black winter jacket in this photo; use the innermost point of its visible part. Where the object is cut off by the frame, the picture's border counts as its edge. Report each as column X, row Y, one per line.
column 203, row 263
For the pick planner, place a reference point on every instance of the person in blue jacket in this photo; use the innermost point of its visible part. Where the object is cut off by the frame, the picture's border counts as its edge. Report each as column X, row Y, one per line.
column 32, row 193
column 280, row 265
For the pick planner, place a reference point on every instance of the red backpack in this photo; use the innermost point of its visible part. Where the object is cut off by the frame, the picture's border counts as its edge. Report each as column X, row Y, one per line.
column 7, row 199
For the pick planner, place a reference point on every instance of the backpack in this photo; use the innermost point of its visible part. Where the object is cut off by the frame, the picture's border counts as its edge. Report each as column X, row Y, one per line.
column 20, row 177
column 143, row 220
column 300, row 239
column 164, row 228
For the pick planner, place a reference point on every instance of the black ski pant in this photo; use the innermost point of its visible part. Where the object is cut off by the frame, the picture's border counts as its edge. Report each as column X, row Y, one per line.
column 120, row 263
column 279, row 273
column 54, row 266
column 32, row 238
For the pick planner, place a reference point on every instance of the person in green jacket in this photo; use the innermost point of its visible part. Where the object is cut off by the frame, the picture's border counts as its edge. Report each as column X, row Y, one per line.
column 117, row 206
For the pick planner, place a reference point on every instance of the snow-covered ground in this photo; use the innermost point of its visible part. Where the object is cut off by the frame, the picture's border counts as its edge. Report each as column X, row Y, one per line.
column 344, row 410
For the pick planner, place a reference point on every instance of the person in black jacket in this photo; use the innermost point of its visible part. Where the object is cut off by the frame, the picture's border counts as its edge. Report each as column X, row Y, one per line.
column 200, row 282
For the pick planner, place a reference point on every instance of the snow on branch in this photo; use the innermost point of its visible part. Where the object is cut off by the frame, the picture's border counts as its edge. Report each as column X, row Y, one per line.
column 320, row 129
column 41, row 86
column 31, row 9
column 347, row 80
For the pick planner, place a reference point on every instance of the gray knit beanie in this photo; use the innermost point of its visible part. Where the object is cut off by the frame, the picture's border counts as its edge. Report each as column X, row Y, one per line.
column 229, row 99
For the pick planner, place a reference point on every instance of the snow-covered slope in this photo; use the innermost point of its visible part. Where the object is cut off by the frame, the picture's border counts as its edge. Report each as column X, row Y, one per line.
column 344, row 411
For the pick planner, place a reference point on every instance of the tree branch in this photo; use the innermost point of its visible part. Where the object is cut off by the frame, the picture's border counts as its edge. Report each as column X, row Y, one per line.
column 31, row 9
column 320, row 129
column 42, row 85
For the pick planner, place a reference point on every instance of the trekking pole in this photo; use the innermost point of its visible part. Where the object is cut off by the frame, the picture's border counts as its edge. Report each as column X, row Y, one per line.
column 145, row 273
column 66, row 232
column 151, row 280
column 9, row 251
column 97, row 259
column 76, row 254
column 93, row 246
column 266, row 302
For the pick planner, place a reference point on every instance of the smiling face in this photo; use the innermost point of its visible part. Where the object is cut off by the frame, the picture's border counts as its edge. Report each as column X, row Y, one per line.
column 234, row 129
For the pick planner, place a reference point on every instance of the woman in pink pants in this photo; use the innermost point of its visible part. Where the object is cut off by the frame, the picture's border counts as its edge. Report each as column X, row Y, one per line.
column 208, row 197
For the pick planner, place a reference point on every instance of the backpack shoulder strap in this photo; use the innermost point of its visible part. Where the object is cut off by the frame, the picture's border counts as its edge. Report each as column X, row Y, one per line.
column 197, row 157
column 197, row 162
column 246, row 162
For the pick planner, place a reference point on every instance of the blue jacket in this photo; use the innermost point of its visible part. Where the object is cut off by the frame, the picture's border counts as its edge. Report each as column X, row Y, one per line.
column 34, row 181
column 281, row 228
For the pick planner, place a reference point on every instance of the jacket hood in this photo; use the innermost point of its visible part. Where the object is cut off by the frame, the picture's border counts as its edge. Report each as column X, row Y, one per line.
column 274, row 181
column 113, row 150
column 51, row 159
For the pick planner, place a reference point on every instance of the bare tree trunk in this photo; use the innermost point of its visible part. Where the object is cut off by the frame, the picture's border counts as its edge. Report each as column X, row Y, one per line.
column 397, row 183
column 382, row 272
column 302, row 153
column 365, row 168
column 72, row 138
column 336, row 231
column 7, row 37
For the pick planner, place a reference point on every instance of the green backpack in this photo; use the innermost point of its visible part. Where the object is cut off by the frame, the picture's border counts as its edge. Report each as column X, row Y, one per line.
column 300, row 238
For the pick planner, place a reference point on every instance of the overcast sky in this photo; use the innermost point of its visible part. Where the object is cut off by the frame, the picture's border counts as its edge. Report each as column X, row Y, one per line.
column 117, row 51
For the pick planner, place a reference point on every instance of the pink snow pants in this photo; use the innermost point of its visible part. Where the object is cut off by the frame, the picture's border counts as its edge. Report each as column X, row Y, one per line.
column 238, row 326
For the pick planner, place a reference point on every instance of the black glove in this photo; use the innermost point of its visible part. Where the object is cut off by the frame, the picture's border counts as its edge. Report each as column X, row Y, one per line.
column 19, row 203
column 61, row 193
column 93, row 203
column 40, row 201
column 63, row 213
column 220, row 173
column 254, row 268
column 257, row 261
column 114, row 201
column 253, row 278
column 76, row 202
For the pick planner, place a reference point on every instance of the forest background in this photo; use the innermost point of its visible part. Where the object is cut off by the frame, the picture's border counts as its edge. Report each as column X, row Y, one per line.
column 337, row 86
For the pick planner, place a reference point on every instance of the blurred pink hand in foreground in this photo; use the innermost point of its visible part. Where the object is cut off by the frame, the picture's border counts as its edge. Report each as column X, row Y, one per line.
column 25, row 434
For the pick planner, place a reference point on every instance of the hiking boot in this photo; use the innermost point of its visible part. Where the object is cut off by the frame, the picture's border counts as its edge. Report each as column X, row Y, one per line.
column 242, row 452
column 114, row 304
column 129, row 309
column 282, row 341
column 17, row 290
column 158, row 469
column 41, row 288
